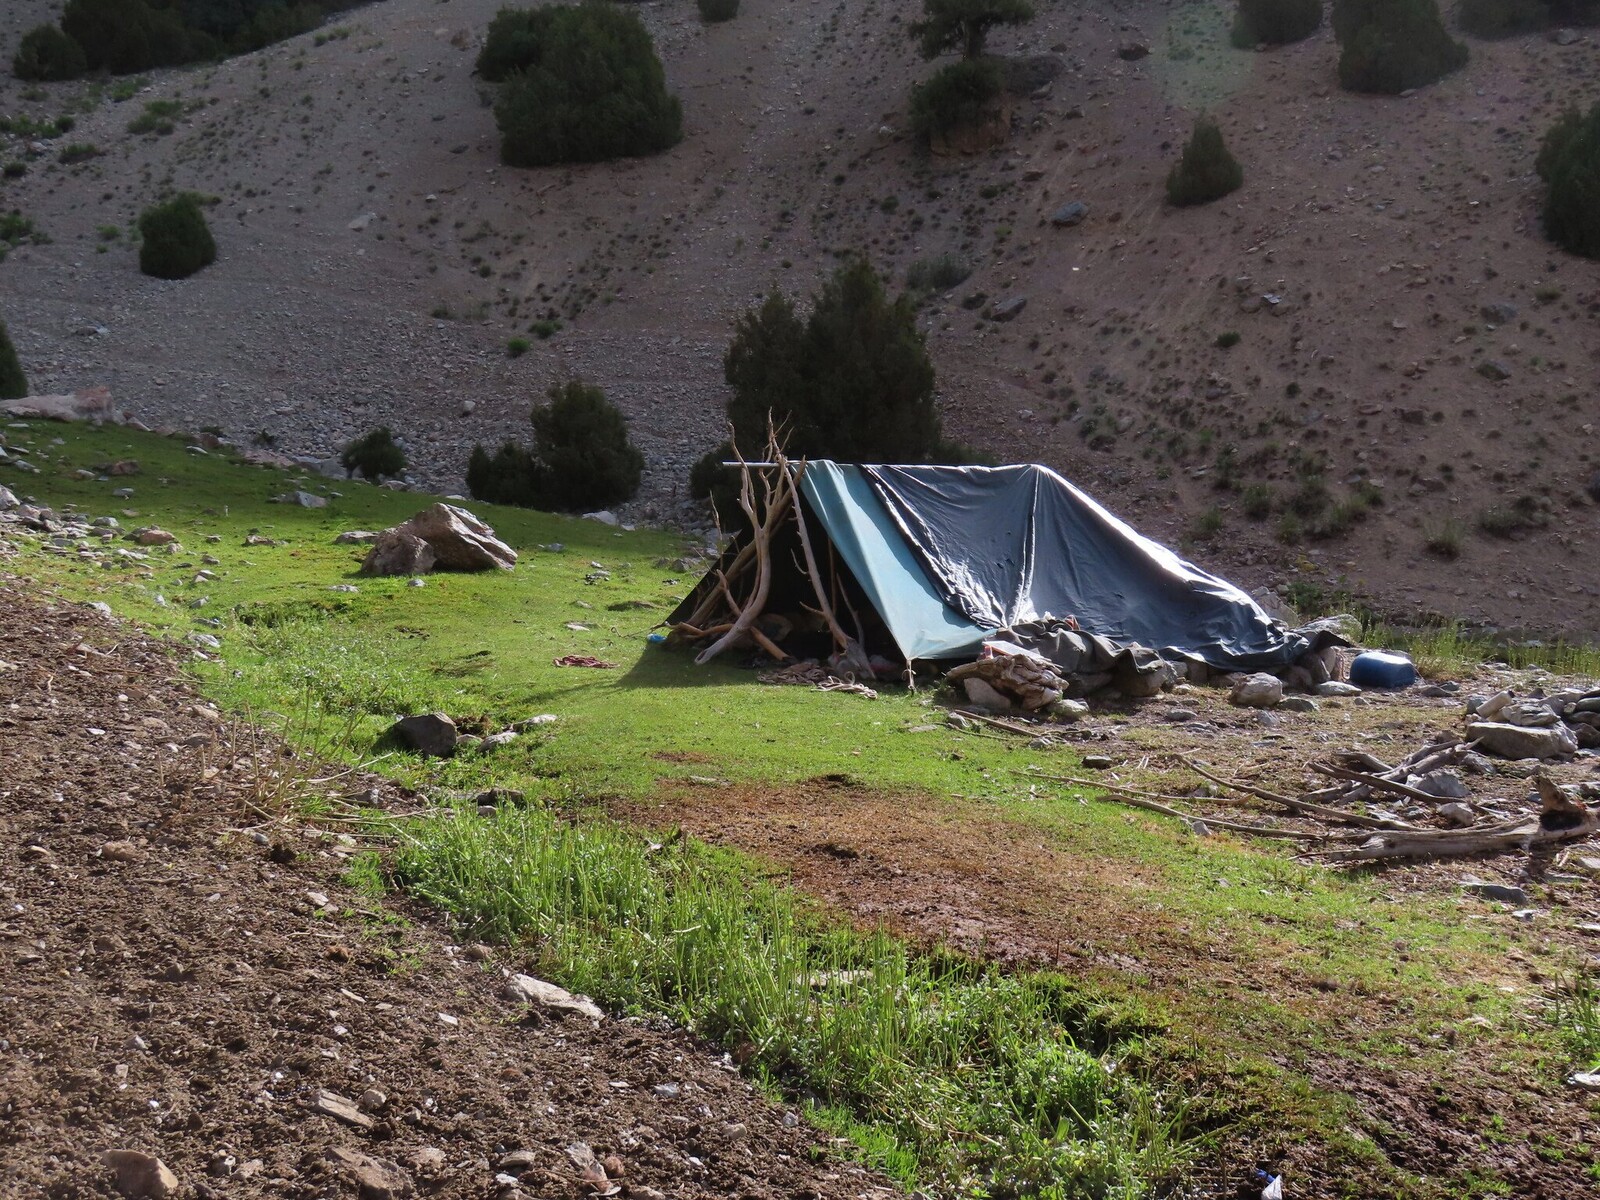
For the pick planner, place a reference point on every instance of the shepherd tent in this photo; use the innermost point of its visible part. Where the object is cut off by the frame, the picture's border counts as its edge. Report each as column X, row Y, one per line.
column 936, row 560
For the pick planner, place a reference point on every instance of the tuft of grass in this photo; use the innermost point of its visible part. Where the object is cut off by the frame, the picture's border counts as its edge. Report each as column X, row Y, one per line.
column 517, row 347
column 1445, row 539
column 78, row 152
column 976, row 1075
column 159, row 117
column 1207, row 525
column 1577, row 1018
column 1256, row 501
column 1228, row 339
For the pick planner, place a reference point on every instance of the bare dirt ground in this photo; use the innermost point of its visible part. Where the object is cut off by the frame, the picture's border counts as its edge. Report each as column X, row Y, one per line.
column 181, row 977
column 954, row 872
column 1381, row 252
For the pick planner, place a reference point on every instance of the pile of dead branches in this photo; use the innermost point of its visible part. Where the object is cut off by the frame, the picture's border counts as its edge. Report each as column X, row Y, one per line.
column 1347, row 821
column 729, row 615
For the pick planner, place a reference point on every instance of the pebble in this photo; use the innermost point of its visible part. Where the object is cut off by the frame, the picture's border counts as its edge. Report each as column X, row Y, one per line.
column 140, row 1174
column 1504, row 893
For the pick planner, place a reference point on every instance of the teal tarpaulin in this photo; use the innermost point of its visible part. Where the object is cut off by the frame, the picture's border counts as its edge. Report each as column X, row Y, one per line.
column 922, row 624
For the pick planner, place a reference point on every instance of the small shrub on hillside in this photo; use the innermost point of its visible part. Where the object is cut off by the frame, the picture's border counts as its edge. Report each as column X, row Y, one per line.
column 16, row 228
column 374, row 454
column 1569, row 164
column 518, row 346
column 582, row 457
column 712, row 11
column 960, row 94
column 1388, row 46
column 940, row 274
column 175, row 240
column 1275, row 22
column 1228, row 339
column 1206, row 172
column 579, row 84
column 13, row 383
column 46, row 55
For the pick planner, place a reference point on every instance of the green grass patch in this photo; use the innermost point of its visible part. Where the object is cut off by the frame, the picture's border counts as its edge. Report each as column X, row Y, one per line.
column 949, row 1074
column 968, row 1077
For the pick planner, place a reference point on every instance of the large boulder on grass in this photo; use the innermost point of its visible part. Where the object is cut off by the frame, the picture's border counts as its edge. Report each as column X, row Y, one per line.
column 432, row 734
column 395, row 552
column 460, row 542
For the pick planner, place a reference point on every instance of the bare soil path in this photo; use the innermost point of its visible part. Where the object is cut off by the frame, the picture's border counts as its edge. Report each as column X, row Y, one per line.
column 175, row 983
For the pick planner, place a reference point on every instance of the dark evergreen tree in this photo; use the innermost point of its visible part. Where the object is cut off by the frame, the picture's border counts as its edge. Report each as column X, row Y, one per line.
column 1569, row 164
column 1389, row 46
column 853, row 382
column 1206, row 172
column 13, row 383
column 48, row 55
column 374, row 454
column 964, row 25
column 960, row 94
column 175, row 241
column 1275, row 22
column 580, row 84
column 581, row 458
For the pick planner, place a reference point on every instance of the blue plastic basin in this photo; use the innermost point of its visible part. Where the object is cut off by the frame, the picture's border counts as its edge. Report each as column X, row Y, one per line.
column 1382, row 669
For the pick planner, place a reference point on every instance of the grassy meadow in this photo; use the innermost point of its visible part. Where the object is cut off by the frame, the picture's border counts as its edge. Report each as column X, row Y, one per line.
column 953, row 1074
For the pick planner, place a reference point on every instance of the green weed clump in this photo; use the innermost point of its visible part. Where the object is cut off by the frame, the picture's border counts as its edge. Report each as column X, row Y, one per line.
column 578, row 84
column 175, row 239
column 1389, row 46
column 995, row 1083
column 1569, row 164
column 960, row 95
column 13, row 383
column 159, row 117
column 1444, row 540
column 47, row 55
column 713, row 11
column 1206, row 172
column 1275, row 22
column 77, row 152
column 582, row 457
